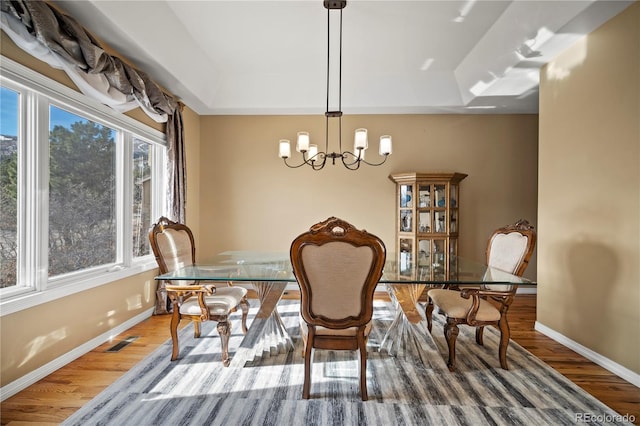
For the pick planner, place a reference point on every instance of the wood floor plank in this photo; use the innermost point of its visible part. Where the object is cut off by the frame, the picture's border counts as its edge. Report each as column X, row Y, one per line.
column 57, row 396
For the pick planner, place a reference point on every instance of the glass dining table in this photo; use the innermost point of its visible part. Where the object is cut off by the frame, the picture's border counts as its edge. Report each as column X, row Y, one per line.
column 270, row 273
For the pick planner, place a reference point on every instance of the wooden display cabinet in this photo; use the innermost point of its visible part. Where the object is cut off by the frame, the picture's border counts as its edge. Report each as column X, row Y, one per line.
column 427, row 222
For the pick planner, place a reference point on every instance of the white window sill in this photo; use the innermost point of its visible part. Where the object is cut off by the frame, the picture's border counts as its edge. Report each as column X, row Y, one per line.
column 19, row 302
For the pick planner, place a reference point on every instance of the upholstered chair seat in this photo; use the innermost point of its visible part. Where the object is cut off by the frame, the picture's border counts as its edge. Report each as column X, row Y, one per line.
column 450, row 302
column 222, row 302
column 509, row 249
column 324, row 331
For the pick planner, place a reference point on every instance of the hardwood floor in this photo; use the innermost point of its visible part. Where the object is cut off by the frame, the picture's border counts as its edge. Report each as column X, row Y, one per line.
column 57, row 396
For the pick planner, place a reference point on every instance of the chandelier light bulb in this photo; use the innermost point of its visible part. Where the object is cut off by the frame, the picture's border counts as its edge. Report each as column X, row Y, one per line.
column 385, row 145
column 313, row 152
column 360, row 141
column 303, row 142
column 285, row 148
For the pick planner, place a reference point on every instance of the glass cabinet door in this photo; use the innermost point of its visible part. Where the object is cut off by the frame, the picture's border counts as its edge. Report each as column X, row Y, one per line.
column 424, row 253
column 453, row 225
column 406, row 256
column 453, row 252
column 424, row 195
column 424, row 223
column 439, row 251
column 453, row 196
column 406, row 196
column 440, row 194
column 440, row 221
column 406, row 220
column 406, row 208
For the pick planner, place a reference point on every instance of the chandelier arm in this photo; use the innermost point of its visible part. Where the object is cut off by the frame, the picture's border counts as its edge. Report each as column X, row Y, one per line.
column 358, row 159
column 376, row 164
column 350, row 166
column 292, row 166
column 315, row 164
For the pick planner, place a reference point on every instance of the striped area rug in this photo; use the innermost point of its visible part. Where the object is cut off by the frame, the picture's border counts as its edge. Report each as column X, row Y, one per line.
column 197, row 390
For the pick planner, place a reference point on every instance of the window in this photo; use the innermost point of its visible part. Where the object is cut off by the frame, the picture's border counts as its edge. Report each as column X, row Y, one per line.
column 142, row 185
column 10, row 107
column 80, row 186
column 82, row 193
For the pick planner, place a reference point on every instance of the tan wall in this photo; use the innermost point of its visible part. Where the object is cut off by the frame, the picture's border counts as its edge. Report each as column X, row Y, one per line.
column 33, row 337
column 589, row 197
column 250, row 200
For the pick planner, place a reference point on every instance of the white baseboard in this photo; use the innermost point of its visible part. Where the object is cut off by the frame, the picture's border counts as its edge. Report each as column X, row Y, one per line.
column 617, row 369
column 28, row 379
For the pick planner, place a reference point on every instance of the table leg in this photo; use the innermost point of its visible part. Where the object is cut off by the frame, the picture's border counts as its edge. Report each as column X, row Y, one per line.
column 401, row 338
column 267, row 334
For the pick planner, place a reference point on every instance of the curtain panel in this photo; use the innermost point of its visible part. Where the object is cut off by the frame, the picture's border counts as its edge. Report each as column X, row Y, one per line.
column 57, row 39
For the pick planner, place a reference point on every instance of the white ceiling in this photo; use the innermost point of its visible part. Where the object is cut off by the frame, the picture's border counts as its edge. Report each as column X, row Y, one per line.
column 269, row 57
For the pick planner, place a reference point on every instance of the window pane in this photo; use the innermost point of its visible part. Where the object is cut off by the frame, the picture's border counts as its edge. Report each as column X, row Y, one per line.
column 82, row 193
column 9, row 104
column 142, row 185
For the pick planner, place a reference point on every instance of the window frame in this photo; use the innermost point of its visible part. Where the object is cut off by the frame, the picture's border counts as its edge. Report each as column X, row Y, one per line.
column 37, row 94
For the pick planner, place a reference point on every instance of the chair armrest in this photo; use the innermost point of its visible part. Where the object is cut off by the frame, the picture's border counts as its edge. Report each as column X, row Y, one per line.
column 503, row 297
column 182, row 290
column 467, row 292
column 179, row 293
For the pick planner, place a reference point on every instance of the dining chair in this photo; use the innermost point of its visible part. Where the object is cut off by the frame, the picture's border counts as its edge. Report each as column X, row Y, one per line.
column 509, row 249
column 173, row 245
column 337, row 268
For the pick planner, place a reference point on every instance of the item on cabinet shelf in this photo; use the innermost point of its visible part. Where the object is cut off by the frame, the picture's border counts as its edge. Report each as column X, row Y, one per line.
column 441, row 202
column 423, row 258
column 406, row 222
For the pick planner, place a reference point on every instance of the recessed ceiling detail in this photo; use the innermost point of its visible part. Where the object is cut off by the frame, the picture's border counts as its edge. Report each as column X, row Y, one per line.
column 268, row 57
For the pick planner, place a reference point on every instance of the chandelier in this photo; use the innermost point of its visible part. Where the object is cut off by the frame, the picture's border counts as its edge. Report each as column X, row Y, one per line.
column 311, row 155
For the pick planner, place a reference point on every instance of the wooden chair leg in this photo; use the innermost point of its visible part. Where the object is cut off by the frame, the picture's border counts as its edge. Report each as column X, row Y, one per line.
column 505, row 335
column 451, row 333
column 363, row 367
column 244, row 305
column 308, row 359
column 173, row 328
column 479, row 335
column 224, row 329
column 305, row 339
column 428, row 310
column 196, row 329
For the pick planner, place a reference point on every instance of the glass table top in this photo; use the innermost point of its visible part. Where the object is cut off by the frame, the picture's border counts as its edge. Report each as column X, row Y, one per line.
column 276, row 266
